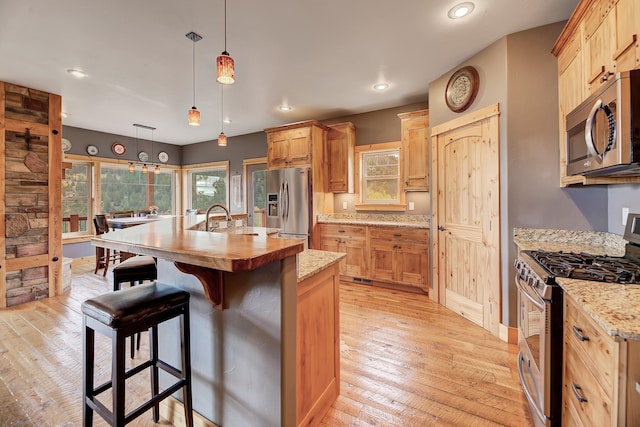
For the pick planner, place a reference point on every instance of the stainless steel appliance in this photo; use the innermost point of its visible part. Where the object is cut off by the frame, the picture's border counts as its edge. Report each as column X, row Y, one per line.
column 289, row 202
column 540, row 314
column 603, row 133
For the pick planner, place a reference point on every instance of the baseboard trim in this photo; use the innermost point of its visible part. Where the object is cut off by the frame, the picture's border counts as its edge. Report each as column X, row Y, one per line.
column 508, row 334
column 172, row 410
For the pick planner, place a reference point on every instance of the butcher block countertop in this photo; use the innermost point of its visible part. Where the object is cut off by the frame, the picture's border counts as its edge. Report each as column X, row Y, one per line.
column 172, row 239
column 414, row 221
column 615, row 307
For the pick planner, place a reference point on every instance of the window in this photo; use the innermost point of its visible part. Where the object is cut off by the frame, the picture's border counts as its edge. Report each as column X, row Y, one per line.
column 76, row 200
column 380, row 172
column 208, row 185
column 121, row 190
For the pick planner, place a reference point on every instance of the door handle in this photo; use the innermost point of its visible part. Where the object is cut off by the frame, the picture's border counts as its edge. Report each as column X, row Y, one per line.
column 441, row 228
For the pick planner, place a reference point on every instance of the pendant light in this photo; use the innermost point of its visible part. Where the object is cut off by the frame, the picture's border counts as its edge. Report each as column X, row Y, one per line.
column 194, row 114
column 225, row 70
column 222, row 138
column 145, row 167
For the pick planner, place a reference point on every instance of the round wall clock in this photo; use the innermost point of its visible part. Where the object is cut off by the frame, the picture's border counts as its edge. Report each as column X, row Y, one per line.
column 118, row 148
column 143, row 156
column 92, row 150
column 462, row 89
column 66, row 145
column 163, row 157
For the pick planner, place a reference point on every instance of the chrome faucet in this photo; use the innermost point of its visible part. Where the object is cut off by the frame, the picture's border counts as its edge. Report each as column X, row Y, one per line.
column 210, row 208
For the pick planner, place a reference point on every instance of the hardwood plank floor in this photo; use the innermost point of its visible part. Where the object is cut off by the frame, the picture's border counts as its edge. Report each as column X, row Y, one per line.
column 404, row 362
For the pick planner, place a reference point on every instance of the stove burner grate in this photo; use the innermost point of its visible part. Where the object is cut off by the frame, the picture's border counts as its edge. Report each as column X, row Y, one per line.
column 588, row 267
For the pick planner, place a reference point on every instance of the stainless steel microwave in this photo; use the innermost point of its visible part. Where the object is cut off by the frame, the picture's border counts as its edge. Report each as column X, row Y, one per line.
column 603, row 133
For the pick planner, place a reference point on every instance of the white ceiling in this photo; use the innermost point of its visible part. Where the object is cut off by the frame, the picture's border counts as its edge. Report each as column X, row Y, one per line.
column 320, row 56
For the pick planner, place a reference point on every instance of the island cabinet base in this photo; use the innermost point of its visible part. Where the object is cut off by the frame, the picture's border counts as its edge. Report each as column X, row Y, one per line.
column 318, row 346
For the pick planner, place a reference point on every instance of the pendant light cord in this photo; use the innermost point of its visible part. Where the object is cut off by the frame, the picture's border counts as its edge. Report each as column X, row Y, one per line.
column 222, row 115
column 225, row 26
column 194, row 73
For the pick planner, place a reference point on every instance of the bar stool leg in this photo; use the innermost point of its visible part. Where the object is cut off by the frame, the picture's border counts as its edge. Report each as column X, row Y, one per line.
column 186, row 367
column 155, row 388
column 88, row 342
column 118, row 377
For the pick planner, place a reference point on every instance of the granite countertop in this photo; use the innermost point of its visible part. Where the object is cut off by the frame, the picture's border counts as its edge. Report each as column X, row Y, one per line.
column 414, row 221
column 175, row 239
column 615, row 307
column 311, row 262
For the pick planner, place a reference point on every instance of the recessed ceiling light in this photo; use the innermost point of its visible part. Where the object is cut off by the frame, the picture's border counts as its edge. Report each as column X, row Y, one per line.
column 381, row 86
column 78, row 74
column 227, row 121
column 461, row 10
column 64, row 115
column 285, row 108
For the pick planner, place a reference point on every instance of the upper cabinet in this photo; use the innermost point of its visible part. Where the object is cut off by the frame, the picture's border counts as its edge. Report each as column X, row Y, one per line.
column 599, row 40
column 341, row 142
column 415, row 150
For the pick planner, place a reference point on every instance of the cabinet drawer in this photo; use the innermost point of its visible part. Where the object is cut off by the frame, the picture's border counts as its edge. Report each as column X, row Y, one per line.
column 414, row 235
column 347, row 231
column 596, row 409
column 597, row 349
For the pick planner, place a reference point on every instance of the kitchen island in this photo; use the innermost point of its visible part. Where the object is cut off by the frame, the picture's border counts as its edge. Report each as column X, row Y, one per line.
column 244, row 292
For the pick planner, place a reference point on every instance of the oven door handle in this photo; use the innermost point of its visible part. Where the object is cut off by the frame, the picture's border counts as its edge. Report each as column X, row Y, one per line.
column 538, row 303
column 532, row 403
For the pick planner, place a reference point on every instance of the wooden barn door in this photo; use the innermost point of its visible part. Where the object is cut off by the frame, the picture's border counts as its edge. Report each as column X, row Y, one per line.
column 30, row 190
column 466, row 217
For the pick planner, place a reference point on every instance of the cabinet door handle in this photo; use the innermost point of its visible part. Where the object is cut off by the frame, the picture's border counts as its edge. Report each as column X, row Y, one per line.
column 577, row 391
column 340, row 231
column 441, row 228
column 397, row 235
column 578, row 333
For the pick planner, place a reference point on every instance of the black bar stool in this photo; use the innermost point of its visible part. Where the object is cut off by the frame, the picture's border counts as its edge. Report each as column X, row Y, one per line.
column 121, row 314
column 132, row 270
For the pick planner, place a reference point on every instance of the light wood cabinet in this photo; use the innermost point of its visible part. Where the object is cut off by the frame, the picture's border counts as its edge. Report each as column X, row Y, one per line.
column 599, row 40
column 289, row 148
column 599, row 373
column 341, row 142
column 415, row 150
column 389, row 255
column 399, row 255
column 317, row 346
column 350, row 240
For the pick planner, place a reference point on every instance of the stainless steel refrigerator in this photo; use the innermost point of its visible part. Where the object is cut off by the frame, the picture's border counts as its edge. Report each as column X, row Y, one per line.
column 289, row 202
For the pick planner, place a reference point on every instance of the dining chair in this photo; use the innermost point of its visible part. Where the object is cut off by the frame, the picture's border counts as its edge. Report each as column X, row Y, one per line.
column 104, row 256
column 122, row 214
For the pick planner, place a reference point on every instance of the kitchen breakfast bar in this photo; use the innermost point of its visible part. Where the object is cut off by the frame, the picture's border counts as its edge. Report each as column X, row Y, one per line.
column 264, row 320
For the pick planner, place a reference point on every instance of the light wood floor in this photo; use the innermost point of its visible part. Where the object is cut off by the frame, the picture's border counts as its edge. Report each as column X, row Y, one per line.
column 404, row 362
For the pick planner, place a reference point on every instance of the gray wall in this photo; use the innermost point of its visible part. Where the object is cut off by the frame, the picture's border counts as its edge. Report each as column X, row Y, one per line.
column 622, row 196
column 520, row 73
column 81, row 138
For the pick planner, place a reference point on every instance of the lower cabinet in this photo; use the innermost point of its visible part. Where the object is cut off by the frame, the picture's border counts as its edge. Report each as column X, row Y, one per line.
column 600, row 374
column 400, row 255
column 317, row 346
column 391, row 255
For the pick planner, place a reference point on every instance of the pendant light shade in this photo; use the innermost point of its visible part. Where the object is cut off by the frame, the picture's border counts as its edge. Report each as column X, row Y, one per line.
column 156, row 170
column 145, row 168
column 132, row 167
column 222, row 140
column 225, row 68
column 194, row 114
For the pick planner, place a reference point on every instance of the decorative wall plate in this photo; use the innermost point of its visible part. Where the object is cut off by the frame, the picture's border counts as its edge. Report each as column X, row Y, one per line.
column 66, row 145
column 163, row 157
column 143, row 156
column 92, row 150
column 118, row 148
column 462, row 89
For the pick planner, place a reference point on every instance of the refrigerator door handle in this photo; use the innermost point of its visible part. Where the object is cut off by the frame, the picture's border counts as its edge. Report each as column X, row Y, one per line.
column 281, row 204
column 286, row 192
